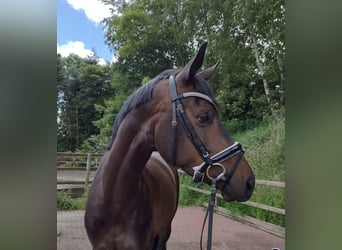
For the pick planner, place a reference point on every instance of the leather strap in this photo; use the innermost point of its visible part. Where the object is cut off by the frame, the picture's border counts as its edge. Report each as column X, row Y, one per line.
column 210, row 213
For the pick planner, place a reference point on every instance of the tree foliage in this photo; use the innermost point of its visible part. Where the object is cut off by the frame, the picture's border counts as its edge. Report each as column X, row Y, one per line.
column 147, row 37
column 248, row 37
column 81, row 83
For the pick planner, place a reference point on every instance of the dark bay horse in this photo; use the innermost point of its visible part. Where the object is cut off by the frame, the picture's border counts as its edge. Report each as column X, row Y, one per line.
column 134, row 195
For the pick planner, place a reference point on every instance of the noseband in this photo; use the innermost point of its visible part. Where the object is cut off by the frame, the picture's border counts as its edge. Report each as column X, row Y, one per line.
column 208, row 161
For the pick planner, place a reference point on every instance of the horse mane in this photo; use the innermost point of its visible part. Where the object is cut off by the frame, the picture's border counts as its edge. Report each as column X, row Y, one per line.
column 138, row 98
column 144, row 94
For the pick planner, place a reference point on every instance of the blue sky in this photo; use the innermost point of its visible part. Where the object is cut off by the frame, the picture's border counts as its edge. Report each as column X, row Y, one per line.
column 79, row 29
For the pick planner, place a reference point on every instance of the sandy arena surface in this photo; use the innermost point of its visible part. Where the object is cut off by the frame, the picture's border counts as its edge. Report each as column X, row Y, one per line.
column 186, row 231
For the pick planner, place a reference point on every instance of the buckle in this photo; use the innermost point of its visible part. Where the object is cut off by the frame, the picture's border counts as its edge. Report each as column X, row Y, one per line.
column 198, row 177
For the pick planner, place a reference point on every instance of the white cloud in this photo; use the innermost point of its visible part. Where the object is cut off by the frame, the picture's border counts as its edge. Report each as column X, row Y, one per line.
column 75, row 47
column 78, row 48
column 114, row 59
column 101, row 61
column 95, row 10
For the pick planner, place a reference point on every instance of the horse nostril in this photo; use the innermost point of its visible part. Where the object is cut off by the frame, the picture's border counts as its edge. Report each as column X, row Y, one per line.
column 250, row 184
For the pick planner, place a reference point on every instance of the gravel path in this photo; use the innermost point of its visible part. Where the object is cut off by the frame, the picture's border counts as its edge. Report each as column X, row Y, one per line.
column 186, row 231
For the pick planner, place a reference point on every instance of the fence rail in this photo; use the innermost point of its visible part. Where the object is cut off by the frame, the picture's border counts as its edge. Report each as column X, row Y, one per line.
column 270, row 183
column 78, row 170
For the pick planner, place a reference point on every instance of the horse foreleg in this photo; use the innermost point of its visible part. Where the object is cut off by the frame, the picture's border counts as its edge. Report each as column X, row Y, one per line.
column 163, row 238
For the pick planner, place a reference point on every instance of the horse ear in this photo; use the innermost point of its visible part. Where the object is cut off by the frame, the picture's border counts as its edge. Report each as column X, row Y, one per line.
column 191, row 68
column 207, row 73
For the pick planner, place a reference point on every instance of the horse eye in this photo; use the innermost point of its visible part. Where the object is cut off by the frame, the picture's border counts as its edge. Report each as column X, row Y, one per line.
column 203, row 118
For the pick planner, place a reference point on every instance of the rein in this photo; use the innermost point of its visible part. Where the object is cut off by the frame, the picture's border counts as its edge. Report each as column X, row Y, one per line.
column 211, row 204
column 210, row 212
column 208, row 161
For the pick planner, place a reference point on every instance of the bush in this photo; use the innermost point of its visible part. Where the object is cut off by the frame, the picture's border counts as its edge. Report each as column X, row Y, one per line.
column 265, row 149
column 265, row 152
column 66, row 202
column 188, row 197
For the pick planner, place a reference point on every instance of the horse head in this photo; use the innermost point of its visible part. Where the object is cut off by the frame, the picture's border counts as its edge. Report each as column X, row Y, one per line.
column 189, row 133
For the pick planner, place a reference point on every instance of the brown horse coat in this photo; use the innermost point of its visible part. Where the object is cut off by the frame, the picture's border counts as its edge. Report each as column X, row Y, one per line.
column 145, row 221
column 133, row 197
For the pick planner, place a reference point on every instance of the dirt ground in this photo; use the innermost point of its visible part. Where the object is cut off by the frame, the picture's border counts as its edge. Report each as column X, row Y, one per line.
column 186, row 231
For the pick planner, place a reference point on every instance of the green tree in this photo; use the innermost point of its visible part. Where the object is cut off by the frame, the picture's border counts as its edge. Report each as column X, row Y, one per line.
column 233, row 28
column 62, row 144
column 144, row 47
column 262, row 25
column 84, row 83
column 246, row 36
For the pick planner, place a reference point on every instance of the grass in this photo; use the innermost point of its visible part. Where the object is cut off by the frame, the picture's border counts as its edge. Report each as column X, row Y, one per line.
column 265, row 149
column 188, row 197
column 66, row 202
column 265, row 152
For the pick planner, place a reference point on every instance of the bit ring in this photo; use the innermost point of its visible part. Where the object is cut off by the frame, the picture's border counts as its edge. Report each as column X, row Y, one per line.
column 221, row 175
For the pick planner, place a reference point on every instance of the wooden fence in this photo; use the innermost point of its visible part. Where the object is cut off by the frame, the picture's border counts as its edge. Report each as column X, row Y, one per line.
column 266, row 226
column 77, row 170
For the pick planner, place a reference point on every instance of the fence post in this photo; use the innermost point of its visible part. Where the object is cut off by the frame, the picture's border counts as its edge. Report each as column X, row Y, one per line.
column 86, row 181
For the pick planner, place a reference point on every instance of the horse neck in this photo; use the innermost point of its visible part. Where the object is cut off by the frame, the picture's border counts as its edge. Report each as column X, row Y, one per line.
column 125, row 161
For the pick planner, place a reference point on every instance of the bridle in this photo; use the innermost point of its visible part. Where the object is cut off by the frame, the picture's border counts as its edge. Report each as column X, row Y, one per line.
column 208, row 161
